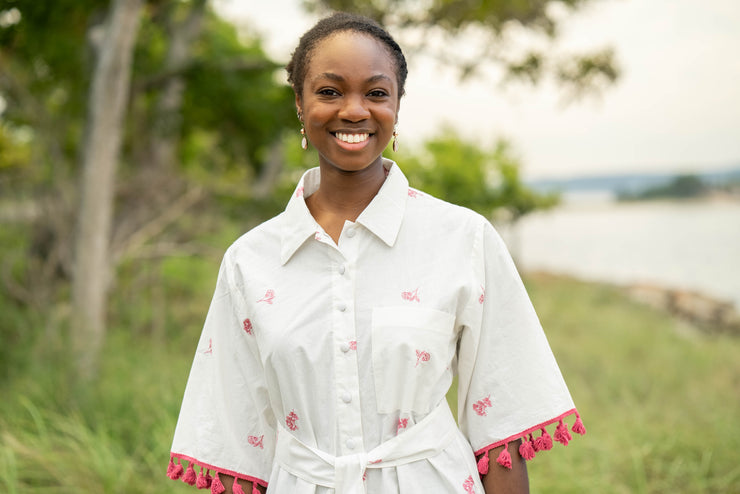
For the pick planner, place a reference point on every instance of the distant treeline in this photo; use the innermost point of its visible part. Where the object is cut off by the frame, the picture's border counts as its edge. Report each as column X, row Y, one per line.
column 687, row 186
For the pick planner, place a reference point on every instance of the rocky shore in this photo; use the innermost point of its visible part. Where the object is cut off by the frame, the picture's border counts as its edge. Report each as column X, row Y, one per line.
column 706, row 313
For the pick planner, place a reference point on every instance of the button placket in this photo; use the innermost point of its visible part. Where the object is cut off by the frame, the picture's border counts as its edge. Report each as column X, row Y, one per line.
column 347, row 404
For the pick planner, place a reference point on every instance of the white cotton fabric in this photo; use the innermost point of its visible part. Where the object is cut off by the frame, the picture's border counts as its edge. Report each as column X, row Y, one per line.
column 347, row 346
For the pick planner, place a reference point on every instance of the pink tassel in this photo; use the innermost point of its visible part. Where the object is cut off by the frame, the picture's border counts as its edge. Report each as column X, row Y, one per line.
column 561, row 434
column 216, row 486
column 544, row 442
column 189, row 477
column 176, row 471
column 236, row 487
column 526, row 450
column 170, row 468
column 254, row 488
column 483, row 464
column 201, row 482
column 578, row 427
column 504, row 458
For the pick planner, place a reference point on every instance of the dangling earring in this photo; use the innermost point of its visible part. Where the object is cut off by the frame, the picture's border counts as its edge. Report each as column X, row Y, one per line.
column 395, row 140
column 304, row 141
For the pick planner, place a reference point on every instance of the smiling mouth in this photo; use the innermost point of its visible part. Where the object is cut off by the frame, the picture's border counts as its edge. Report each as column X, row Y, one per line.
column 351, row 138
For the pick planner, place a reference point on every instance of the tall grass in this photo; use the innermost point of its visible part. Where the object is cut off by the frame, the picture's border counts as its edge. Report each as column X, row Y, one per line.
column 661, row 403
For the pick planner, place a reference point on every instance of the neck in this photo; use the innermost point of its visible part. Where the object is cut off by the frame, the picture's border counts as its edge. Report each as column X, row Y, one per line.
column 345, row 194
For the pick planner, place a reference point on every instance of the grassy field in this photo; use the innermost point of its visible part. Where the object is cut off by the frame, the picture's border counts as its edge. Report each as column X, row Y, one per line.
column 661, row 402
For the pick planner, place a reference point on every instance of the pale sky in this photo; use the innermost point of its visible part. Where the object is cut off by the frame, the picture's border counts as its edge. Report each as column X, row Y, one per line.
column 676, row 107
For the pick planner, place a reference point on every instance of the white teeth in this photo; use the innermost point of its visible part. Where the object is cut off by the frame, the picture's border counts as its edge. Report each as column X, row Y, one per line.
column 352, row 138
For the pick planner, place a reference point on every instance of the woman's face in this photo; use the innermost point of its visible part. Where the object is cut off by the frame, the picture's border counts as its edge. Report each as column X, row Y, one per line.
column 350, row 100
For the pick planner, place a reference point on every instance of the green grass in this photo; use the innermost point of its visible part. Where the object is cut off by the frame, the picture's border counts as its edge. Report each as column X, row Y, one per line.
column 661, row 404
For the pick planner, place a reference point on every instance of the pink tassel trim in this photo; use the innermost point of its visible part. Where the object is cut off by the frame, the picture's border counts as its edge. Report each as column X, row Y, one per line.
column 530, row 446
column 189, row 477
column 176, row 470
column 236, row 487
column 216, row 486
column 504, row 458
column 483, row 464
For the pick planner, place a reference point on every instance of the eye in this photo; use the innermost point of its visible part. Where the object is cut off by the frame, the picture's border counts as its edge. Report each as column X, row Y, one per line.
column 378, row 93
column 327, row 91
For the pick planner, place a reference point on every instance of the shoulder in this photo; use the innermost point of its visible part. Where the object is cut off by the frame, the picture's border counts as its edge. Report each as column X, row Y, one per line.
column 424, row 208
column 258, row 244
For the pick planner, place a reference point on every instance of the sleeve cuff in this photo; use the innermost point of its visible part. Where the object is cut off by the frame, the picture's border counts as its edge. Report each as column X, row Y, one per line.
column 530, row 445
column 175, row 471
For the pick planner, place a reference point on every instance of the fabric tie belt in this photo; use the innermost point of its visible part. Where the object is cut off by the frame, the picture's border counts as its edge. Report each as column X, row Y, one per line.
column 345, row 473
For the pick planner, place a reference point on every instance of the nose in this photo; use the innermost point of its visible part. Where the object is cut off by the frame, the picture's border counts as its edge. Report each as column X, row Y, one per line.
column 354, row 109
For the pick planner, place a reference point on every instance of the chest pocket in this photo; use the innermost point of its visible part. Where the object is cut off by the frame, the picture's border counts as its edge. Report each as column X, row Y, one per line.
column 412, row 349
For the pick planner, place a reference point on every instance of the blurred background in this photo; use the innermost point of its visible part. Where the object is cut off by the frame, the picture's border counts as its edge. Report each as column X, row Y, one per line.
column 140, row 138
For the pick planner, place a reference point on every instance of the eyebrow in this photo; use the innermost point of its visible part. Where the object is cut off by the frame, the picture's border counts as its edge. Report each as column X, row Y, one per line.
column 338, row 78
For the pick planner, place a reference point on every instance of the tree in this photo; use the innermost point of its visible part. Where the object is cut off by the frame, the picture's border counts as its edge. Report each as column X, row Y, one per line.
column 104, row 133
column 471, row 35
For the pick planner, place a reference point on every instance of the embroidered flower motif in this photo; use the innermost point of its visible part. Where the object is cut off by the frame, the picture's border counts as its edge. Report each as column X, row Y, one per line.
column 353, row 345
column 209, row 350
column 402, row 424
column 482, row 295
column 256, row 441
column 481, row 405
column 299, row 191
column 248, row 326
column 374, row 462
column 422, row 356
column 290, row 421
column 411, row 296
column 413, row 193
column 269, row 297
column 469, row 485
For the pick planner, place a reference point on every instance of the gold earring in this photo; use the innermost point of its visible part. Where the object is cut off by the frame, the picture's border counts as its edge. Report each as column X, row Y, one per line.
column 304, row 141
column 395, row 140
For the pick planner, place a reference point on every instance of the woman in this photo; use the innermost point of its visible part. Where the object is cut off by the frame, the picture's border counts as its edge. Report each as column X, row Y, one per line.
column 337, row 326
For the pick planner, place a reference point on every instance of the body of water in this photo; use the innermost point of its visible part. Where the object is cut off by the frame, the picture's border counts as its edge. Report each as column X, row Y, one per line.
column 688, row 245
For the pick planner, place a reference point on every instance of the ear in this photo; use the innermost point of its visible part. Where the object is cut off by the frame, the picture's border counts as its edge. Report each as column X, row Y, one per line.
column 298, row 103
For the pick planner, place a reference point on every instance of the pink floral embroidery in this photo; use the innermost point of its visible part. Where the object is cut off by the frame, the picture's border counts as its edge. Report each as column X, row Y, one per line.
column 413, row 193
column 374, row 462
column 482, row 295
column 318, row 236
column 299, row 191
column 290, row 421
column 248, row 326
column 353, row 345
column 411, row 296
column 402, row 424
column 481, row 405
column 469, row 485
column 269, row 297
column 209, row 350
column 256, row 441
column 422, row 356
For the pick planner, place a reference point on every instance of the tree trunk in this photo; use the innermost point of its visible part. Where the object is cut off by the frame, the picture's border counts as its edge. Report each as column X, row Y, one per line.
column 104, row 130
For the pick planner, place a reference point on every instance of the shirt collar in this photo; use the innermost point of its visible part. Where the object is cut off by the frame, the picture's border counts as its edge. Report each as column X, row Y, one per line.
column 382, row 217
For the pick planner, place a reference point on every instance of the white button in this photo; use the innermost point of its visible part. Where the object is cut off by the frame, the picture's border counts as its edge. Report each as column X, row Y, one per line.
column 344, row 347
column 342, row 306
column 351, row 233
column 350, row 443
column 341, row 269
column 346, row 397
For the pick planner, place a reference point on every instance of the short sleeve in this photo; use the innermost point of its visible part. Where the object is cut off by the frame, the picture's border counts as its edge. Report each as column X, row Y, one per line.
column 509, row 384
column 225, row 423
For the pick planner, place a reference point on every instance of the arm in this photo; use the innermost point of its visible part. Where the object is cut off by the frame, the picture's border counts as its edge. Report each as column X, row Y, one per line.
column 228, row 482
column 500, row 480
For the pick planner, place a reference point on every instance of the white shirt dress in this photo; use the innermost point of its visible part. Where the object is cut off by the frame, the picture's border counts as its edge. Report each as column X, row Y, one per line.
column 323, row 367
